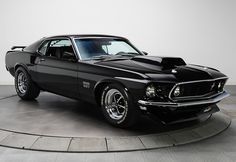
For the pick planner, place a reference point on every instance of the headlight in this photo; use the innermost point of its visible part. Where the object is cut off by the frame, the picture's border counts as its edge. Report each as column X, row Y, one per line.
column 177, row 91
column 221, row 85
column 151, row 91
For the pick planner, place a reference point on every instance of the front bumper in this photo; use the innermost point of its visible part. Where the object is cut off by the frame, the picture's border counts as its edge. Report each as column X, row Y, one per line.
column 184, row 104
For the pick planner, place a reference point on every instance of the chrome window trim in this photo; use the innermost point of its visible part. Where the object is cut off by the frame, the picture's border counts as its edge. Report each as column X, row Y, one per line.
column 76, row 49
column 39, row 47
column 57, row 38
column 127, row 41
column 195, row 81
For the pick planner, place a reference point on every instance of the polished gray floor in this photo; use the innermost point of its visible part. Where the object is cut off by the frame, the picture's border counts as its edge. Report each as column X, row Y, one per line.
column 55, row 123
column 58, row 116
column 55, row 115
column 219, row 148
column 216, row 124
column 7, row 91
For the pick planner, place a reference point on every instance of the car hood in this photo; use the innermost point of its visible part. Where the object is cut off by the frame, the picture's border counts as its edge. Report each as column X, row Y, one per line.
column 163, row 68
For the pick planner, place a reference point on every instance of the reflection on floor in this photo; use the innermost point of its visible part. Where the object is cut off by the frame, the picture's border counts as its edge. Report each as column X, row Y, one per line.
column 219, row 148
column 59, row 116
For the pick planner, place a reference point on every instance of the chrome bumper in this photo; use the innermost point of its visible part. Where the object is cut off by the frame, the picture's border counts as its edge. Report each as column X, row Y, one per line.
column 182, row 104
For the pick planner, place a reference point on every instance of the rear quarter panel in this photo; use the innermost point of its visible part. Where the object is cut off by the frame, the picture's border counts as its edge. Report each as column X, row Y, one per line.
column 20, row 58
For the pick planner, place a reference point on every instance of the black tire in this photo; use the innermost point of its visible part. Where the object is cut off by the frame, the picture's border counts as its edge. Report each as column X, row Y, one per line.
column 30, row 90
column 129, row 118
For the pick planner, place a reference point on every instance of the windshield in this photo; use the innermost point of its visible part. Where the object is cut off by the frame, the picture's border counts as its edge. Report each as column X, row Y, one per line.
column 104, row 47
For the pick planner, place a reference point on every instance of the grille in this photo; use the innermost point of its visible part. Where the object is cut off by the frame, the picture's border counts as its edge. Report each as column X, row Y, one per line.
column 197, row 89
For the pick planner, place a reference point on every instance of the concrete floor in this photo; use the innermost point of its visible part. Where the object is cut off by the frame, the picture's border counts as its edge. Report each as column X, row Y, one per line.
column 219, row 148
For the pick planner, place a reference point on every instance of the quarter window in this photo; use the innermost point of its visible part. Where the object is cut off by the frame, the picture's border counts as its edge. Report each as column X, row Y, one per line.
column 60, row 43
column 61, row 49
column 43, row 48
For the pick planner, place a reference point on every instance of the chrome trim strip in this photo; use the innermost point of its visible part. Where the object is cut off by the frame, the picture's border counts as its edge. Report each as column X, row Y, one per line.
column 191, row 103
column 133, row 80
column 195, row 81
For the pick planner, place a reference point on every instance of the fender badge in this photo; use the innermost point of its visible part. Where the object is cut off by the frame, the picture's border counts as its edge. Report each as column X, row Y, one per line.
column 86, row 84
column 174, row 71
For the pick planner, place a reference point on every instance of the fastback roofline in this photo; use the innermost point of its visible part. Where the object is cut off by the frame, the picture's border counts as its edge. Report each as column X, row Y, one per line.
column 87, row 36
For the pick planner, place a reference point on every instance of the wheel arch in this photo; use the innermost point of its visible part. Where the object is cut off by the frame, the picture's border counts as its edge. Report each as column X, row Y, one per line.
column 17, row 65
column 99, row 86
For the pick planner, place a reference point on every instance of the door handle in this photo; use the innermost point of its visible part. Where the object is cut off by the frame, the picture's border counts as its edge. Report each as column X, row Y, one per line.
column 42, row 59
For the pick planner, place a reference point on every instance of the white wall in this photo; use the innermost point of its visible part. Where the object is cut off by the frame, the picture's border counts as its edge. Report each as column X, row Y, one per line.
column 200, row 31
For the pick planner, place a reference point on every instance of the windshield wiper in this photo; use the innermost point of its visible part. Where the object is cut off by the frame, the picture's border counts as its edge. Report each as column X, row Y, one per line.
column 99, row 57
column 127, row 54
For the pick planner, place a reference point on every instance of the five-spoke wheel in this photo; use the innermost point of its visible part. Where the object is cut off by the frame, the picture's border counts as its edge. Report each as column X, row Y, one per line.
column 25, row 87
column 117, row 106
column 22, row 82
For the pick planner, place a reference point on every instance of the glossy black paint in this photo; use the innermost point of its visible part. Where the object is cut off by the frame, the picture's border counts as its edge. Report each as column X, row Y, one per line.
column 84, row 79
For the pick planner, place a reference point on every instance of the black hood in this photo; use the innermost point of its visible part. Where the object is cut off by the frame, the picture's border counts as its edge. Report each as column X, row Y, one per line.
column 158, row 68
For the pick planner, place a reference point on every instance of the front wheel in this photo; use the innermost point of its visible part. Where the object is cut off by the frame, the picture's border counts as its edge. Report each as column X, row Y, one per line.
column 117, row 106
column 25, row 87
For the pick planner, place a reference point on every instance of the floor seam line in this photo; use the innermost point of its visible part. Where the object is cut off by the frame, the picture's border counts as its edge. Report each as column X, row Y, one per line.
column 7, row 97
column 6, row 137
column 69, row 144
column 173, row 139
column 106, row 143
column 34, row 142
column 141, row 142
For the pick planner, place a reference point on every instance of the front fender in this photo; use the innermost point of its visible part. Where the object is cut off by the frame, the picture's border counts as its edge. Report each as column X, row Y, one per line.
column 134, row 87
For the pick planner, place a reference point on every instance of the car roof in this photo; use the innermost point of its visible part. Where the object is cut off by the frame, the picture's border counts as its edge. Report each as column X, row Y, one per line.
column 87, row 36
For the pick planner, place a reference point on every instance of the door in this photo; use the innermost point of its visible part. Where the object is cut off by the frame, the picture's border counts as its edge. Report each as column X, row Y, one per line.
column 56, row 67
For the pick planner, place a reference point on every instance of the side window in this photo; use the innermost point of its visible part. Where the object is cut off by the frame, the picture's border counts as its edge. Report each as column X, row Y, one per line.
column 61, row 49
column 60, row 43
column 43, row 48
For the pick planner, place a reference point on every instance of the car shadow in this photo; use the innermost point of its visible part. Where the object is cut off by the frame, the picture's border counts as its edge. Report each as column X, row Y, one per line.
column 85, row 116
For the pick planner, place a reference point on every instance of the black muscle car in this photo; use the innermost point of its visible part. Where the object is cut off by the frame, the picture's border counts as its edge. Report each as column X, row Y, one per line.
column 111, row 72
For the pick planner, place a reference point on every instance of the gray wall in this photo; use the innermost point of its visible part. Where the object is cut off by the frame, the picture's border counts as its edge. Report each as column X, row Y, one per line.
column 200, row 31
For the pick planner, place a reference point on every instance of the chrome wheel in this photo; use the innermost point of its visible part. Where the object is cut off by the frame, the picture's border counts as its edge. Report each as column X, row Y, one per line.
column 115, row 104
column 22, row 82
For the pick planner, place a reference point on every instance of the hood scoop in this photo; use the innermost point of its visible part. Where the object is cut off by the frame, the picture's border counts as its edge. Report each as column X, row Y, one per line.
column 165, row 62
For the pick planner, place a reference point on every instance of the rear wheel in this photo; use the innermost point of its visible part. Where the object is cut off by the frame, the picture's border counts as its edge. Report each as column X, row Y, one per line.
column 25, row 87
column 117, row 106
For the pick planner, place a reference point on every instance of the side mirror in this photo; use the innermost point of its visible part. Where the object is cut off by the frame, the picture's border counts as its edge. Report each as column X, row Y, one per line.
column 145, row 53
